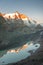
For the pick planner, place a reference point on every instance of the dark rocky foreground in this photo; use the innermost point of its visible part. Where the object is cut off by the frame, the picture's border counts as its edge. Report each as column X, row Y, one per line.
column 36, row 58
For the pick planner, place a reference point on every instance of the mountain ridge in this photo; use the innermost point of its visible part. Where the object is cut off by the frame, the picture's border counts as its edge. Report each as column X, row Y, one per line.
column 18, row 16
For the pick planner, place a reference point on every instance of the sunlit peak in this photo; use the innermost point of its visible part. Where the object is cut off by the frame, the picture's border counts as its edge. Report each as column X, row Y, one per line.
column 15, row 15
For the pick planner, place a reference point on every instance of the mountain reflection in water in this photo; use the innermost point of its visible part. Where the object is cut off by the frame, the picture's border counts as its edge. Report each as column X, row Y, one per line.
column 17, row 54
column 19, row 49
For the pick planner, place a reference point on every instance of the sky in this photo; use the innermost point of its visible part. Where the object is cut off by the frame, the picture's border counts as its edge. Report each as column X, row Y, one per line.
column 31, row 8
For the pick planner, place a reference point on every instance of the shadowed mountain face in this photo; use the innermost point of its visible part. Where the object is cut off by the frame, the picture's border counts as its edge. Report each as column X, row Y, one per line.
column 2, row 20
column 20, row 40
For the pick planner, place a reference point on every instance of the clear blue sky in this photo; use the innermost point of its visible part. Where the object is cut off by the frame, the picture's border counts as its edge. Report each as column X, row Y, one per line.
column 32, row 8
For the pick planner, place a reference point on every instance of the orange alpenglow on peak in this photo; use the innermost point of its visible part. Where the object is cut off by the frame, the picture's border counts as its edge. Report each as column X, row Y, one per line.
column 1, row 14
column 23, row 16
column 16, row 15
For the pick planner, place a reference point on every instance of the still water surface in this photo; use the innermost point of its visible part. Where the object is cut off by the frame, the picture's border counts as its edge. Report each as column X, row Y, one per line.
column 15, row 55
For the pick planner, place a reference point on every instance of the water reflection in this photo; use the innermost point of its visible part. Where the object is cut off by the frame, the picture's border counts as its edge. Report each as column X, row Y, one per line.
column 19, row 49
column 15, row 55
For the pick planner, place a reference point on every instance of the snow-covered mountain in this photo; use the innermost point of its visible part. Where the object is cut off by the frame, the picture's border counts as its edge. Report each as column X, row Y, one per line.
column 18, row 21
column 11, row 17
column 15, row 29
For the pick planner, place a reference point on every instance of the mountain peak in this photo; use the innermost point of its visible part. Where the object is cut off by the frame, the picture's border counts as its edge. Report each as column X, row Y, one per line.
column 15, row 15
column 11, row 17
column 1, row 14
column 17, row 12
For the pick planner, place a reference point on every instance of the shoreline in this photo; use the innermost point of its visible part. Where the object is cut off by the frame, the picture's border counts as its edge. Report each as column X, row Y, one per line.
column 35, row 59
